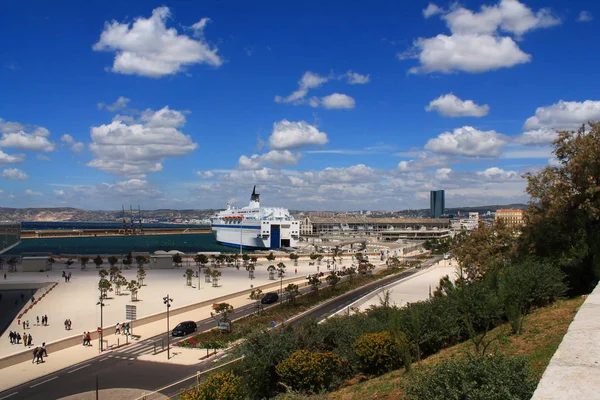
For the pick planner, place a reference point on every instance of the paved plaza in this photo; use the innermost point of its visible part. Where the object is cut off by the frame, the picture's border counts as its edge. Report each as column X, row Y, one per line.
column 77, row 299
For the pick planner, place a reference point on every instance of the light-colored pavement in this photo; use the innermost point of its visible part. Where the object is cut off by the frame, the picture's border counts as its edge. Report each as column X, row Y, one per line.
column 574, row 370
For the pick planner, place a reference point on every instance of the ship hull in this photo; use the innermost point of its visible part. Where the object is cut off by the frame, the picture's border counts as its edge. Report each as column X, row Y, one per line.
column 264, row 236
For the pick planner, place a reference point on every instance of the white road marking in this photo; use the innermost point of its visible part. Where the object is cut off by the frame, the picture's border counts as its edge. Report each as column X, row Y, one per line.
column 77, row 369
column 10, row 395
column 47, row 380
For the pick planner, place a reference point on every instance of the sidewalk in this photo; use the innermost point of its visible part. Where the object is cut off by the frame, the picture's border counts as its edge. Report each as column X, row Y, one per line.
column 76, row 356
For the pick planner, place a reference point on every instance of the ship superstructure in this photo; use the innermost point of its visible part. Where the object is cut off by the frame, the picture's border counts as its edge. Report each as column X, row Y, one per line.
column 256, row 227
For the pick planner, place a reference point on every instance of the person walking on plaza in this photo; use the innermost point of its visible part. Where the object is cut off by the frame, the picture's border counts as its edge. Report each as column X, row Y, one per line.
column 118, row 329
column 29, row 340
column 88, row 338
column 66, row 324
column 46, row 320
column 84, row 338
column 11, row 337
column 38, row 319
column 18, row 337
column 24, row 339
column 43, row 350
column 35, row 354
column 69, row 324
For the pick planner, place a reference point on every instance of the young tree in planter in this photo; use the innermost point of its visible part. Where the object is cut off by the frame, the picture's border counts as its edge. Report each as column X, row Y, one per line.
column 213, row 260
column 50, row 262
column 250, row 268
column 294, row 257
column 69, row 262
column 292, row 292
column 313, row 256
column 314, row 283
column 128, row 260
column 245, row 259
column 257, row 294
column 98, row 261
column 112, row 261
column 351, row 272
column 280, row 270
column 104, row 286
column 102, row 274
column 332, row 280
column 12, row 264
column 177, row 259
column 141, row 275
column 215, row 277
column 207, row 275
column 200, row 259
column 221, row 311
column 236, row 260
column 319, row 259
column 84, row 260
column 271, row 269
column 113, row 272
column 189, row 273
column 270, row 257
column 140, row 260
column 120, row 281
column 133, row 288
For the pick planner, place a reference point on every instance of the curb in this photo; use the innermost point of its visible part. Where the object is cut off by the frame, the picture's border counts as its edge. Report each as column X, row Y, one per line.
column 21, row 315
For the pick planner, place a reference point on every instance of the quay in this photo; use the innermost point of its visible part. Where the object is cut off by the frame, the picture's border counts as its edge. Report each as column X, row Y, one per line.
column 69, row 233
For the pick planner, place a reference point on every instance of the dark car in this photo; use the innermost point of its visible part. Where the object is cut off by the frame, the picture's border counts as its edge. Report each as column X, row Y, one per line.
column 269, row 298
column 184, row 328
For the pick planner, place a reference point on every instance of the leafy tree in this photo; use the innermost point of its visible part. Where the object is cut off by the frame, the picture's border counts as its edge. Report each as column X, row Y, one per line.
column 200, row 259
column 313, row 256
column 221, row 311
column 314, row 283
column 310, row 372
column 245, row 258
column 84, row 260
column 141, row 275
column 189, row 274
column 104, row 286
column 68, row 263
column 98, row 261
column 292, row 292
column 332, row 280
column 254, row 259
column 112, row 261
column 271, row 269
column 351, row 272
column 140, row 260
column 270, row 257
column 113, row 272
column 102, row 274
column 215, row 275
column 484, row 248
column 127, row 261
column 294, row 257
column 120, row 281
column 474, row 378
column 563, row 217
column 177, row 259
column 50, row 262
column 280, row 270
column 133, row 288
column 378, row 352
column 219, row 386
column 257, row 295
column 250, row 268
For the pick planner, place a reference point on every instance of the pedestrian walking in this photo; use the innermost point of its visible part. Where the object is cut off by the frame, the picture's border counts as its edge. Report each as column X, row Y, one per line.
column 69, row 324
column 5, row 276
column 38, row 319
column 66, row 324
column 46, row 320
column 88, row 338
column 35, row 354
column 29, row 340
column 118, row 329
column 44, row 352
column 24, row 339
column 11, row 337
column 84, row 337
column 18, row 338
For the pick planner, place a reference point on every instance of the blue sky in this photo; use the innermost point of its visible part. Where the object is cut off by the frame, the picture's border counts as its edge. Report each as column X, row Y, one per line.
column 323, row 105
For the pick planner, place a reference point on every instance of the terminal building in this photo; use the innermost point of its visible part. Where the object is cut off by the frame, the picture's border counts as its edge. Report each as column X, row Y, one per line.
column 10, row 235
column 512, row 218
column 387, row 229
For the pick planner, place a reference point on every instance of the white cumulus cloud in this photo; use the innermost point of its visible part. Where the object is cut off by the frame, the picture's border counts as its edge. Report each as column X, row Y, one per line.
column 120, row 104
column 30, row 192
column 451, row 106
column 585, row 16
column 136, row 149
column 276, row 158
column 288, row 135
column 309, row 80
column 354, row 78
column 148, row 48
column 495, row 174
column 338, row 101
column 14, row 174
column 468, row 141
column 443, row 174
column 10, row 158
column 432, row 10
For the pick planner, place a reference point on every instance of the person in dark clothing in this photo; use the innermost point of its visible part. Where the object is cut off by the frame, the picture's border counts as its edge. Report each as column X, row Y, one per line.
column 29, row 340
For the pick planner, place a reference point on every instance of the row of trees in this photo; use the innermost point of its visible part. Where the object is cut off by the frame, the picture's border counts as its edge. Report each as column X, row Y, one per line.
column 114, row 278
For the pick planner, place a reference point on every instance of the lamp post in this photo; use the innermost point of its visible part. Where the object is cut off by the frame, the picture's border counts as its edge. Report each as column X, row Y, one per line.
column 199, row 273
column 167, row 301
column 101, row 304
column 241, row 235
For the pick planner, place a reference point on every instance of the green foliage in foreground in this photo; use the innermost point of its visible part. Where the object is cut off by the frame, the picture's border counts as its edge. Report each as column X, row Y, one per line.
column 474, row 378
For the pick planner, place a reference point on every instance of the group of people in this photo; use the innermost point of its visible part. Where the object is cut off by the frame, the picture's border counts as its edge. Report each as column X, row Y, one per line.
column 39, row 353
column 66, row 276
column 44, row 320
column 15, row 338
column 87, row 338
column 122, row 329
column 67, row 324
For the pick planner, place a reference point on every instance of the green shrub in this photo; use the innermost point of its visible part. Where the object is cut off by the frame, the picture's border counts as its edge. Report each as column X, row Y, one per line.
column 378, row 352
column 474, row 378
column 310, row 372
column 221, row 386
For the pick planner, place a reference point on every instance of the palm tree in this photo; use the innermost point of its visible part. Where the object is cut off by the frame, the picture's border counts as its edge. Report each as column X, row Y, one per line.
column 50, row 262
column 271, row 257
column 271, row 269
column 245, row 258
column 294, row 257
column 102, row 273
column 127, row 261
column 281, row 269
column 207, row 274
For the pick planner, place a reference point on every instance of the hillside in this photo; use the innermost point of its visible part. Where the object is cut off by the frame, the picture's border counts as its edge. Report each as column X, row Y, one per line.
column 542, row 333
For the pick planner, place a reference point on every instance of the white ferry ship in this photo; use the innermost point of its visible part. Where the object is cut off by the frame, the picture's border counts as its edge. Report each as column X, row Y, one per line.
column 256, row 227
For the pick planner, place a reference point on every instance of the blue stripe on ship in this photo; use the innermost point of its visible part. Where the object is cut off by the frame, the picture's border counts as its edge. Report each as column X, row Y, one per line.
column 237, row 245
column 237, row 226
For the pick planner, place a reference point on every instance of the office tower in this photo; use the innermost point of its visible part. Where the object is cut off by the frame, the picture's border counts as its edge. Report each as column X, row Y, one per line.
column 437, row 203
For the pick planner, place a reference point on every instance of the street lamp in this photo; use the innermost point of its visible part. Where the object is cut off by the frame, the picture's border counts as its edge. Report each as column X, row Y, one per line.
column 167, row 301
column 101, row 304
column 281, row 271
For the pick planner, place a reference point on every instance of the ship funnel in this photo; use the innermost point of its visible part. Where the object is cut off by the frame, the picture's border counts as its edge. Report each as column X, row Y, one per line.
column 255, row 196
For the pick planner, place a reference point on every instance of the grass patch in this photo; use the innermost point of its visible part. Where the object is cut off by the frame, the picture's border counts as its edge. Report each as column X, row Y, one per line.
column 543, row 331
column 280, row 313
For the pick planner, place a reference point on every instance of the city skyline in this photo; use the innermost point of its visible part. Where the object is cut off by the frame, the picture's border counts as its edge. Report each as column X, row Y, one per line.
column 184, row 106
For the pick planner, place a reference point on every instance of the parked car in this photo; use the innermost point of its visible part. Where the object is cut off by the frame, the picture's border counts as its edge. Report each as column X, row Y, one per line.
column 184, row 328
column 269, row 298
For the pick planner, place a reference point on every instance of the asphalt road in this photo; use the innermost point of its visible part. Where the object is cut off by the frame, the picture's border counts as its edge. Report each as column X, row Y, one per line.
column 120, row 368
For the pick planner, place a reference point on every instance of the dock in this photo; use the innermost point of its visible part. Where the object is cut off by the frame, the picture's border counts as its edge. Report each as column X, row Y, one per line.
column 66, row 233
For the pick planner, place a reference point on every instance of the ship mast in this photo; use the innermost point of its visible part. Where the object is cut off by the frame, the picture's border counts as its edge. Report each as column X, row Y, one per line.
column 141, row 230
column 132, row 221
column 124, row 220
